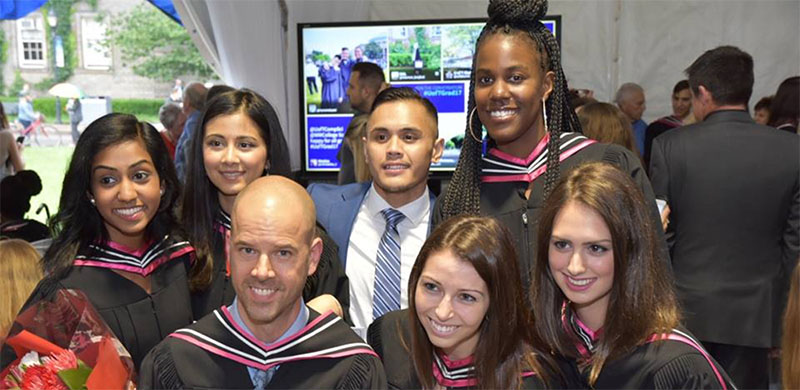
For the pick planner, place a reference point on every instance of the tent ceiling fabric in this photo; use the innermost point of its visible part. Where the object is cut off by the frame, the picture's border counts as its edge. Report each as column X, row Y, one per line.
column 604, row 43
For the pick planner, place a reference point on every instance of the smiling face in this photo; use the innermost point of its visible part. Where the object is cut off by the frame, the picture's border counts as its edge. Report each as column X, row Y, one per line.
column 451, row 301
column 272, row 251
column 127, row 191
column 234, row 154
column 581, row 261
column 510, row 86
column 401, row 144
column 682, row 103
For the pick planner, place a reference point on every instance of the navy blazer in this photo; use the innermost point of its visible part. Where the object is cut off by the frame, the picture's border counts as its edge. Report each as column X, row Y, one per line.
column 337, row 207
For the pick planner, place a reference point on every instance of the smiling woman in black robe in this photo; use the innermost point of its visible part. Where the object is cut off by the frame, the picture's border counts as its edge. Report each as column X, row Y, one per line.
column 114, row 237
column 602, row 294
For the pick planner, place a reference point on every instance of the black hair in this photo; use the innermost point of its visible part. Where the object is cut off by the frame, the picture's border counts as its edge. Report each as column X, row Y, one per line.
column 389, row 95
column 680, row 86
column 726, row 72
column 512, row 17
column 764, row 103
column 217, row 90
column 369, row 75
column 201, row 201
column 785, row 107
column 77, row 223
column 16, row 192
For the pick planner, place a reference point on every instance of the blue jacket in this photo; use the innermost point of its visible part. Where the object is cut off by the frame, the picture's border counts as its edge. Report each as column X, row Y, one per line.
column 337, row 209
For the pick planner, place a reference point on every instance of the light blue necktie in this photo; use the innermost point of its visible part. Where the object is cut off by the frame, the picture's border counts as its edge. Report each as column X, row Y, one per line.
column 386, row 296
column 262, row 378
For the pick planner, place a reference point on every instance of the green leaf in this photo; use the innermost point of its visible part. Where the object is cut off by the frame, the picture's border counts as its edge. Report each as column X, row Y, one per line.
column 75, row 378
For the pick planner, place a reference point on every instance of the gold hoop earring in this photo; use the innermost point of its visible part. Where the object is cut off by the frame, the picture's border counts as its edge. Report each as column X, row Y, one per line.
column 469, row 126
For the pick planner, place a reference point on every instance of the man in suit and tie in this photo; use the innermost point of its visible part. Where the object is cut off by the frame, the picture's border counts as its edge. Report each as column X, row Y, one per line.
column 734, row 190
column 381, row 225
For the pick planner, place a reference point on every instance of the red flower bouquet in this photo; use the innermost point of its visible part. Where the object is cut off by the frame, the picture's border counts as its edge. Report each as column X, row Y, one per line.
column 63, row 343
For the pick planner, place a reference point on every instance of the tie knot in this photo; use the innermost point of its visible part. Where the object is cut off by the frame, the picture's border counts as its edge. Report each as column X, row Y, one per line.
column 392, row 216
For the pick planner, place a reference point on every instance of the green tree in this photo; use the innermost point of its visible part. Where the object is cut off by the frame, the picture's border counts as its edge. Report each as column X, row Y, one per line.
column 373, row 51
column 158, row 48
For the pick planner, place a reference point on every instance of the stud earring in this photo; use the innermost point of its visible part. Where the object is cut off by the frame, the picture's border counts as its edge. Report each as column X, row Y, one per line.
column 161, row 191
column 92, row 201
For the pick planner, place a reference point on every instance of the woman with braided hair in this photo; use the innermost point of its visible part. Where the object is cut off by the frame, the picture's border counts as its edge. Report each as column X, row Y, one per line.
column 519, row 93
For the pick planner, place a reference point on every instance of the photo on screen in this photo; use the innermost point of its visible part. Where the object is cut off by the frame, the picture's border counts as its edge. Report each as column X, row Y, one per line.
column 434, row 57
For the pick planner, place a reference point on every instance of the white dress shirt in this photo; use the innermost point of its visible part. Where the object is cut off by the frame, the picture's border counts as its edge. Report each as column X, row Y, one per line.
column 362, row 251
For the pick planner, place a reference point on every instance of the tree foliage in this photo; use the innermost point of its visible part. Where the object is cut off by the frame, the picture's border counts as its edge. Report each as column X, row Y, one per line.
column 156, row 46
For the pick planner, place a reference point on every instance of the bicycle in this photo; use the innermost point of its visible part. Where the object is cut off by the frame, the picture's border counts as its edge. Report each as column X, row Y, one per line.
column 41, row 134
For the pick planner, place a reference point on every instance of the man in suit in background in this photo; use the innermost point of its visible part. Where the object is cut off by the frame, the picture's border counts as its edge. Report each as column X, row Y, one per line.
column 381, row 225
column 734, row 190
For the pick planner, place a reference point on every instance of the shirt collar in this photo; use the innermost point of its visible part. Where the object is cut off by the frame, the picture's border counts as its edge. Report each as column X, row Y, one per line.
column 414, row 211
column 297, row 325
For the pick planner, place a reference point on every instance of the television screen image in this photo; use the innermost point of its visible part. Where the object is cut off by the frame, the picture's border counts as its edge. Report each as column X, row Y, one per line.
column 433, row 57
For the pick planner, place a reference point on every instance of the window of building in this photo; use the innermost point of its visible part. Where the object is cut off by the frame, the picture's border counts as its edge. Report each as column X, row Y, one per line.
column 30, row 45
column 96, row 54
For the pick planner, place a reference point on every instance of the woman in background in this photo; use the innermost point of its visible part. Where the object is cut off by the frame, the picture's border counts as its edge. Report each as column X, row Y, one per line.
column 784, row 112
column 16, row 192
column 603, row 295
column 20, row 272
column 606, row 123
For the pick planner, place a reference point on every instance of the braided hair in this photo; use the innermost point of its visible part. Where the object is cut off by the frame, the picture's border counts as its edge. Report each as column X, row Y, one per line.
column 511, row 17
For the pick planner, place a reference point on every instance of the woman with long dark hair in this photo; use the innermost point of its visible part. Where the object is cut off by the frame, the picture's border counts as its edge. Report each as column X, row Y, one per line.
column 519, row 93
column 239, row 140
column 114, row 234
column 602, row 294
column 467, row 325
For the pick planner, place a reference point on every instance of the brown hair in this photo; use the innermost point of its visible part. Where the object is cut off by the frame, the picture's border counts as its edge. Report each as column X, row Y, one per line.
column 606, row 123
column 790, row 355
column 20, row 272
column 642, row 301
column 504, row 349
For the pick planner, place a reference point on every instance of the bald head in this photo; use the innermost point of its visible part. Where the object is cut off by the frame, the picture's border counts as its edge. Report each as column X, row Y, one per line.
column 277, row 197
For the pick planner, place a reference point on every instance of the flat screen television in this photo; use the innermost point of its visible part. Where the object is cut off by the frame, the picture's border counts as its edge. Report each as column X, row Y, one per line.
column 432, row 56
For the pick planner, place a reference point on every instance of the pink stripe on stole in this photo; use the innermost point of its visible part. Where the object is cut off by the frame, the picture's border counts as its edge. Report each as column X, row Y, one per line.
column 123, row 248
column 181, row 252
column 250, row 363
column 516, row 160
column 263, row 345
column 529, row 177
column 129, row 268
column 450, row 382
column 690, row 342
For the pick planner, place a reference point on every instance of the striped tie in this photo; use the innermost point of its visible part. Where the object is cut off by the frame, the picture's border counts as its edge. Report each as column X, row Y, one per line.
column 387, row 273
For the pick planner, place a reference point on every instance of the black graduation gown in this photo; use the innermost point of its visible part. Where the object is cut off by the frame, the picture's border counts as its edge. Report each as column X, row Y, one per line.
column 138, row 319
column 329, row 277
column 664, row 364
column 214, row 354
column 506, row 201
column 390, row 337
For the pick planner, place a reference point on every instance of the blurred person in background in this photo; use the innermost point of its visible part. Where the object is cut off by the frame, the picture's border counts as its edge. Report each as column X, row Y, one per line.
column 10, row 152
column 761, row 110
column 20, row 272
column 606, row 123
column 784, row 113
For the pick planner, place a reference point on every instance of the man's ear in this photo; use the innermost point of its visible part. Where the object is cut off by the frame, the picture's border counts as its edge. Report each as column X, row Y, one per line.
column 704, row 95
column 438, row 150
column 314, row 255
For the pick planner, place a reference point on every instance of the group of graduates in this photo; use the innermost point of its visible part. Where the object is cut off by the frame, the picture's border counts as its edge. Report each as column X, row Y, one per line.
column 546, row 267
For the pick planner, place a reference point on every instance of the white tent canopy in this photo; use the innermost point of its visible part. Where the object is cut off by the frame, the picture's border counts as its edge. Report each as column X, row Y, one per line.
column 604, row 43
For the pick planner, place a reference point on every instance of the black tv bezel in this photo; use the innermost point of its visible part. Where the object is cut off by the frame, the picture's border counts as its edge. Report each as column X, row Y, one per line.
column 331, row 175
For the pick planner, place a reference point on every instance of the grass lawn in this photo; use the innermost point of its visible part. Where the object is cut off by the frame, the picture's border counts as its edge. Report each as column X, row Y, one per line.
column 51, row 164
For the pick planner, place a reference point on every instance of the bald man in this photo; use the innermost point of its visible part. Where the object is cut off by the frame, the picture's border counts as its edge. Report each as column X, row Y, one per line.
column 268, row 337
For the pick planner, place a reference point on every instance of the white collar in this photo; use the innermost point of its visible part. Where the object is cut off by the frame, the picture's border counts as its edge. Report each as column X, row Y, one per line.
column 415, row 211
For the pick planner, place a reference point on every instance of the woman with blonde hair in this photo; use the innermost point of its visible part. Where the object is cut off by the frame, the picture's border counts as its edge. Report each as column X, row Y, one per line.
column 20, row 272
column 791, row 335
column 606, row 123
